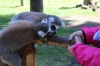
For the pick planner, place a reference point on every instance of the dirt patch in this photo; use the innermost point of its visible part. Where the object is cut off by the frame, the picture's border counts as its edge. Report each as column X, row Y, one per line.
column 76, row 22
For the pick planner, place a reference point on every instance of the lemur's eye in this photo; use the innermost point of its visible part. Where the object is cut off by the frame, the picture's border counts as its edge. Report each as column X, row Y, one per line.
column 53, row 28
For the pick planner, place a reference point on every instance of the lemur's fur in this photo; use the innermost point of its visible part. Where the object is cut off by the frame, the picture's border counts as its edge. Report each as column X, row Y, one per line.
column 38, row 17
column 14, row 37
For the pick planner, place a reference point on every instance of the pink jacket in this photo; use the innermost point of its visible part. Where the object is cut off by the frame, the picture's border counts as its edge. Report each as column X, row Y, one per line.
column 86, row 55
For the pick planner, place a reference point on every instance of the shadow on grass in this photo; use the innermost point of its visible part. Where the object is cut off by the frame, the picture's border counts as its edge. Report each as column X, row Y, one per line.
column 67, row 7
column 88, row 24
column 5, row 19
column 73, row 61
column 73, row 24
column 67, row 22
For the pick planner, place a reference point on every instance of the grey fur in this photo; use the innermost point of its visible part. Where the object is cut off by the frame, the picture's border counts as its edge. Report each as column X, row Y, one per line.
column 27, row 18
column 14, row 37
column 37, row 17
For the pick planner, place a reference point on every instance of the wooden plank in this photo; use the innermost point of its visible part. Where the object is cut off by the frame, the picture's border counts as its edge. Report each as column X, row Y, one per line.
column 2, row 64
column 28, row 55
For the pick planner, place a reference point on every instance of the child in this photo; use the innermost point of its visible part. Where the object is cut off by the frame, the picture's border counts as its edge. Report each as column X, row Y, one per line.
column 86, row 55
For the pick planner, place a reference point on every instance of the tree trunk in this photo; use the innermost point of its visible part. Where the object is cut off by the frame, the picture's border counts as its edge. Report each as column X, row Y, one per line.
column 87, row 2
column 36, row 5
column 23, row 3
column 91, row 4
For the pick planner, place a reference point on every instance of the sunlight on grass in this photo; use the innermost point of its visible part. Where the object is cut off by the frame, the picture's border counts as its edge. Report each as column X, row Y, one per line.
column 49, row 57
column 65, row 8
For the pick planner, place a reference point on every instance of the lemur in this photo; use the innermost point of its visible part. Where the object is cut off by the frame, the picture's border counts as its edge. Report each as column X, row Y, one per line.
column 38, row 17
column 14, row 37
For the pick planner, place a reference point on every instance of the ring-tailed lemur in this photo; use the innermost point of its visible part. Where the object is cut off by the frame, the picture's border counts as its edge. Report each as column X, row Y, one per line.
column 14, row 37
column 38, row 17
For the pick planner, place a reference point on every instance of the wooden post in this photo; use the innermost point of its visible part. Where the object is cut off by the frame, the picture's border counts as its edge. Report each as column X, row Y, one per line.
column 28, row 55
column 2, row 64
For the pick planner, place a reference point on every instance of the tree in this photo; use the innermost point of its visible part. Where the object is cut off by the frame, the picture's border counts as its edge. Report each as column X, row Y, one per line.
column 36, row 5
column 23, row 3
column 91, row 3
column 88, row 4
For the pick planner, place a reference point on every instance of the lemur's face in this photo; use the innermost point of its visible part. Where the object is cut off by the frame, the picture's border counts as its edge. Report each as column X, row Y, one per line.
column 49, row 26
column 45, row 30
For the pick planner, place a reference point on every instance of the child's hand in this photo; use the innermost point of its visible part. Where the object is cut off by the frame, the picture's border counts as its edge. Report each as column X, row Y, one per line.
column 77, row 40
column 78, row 33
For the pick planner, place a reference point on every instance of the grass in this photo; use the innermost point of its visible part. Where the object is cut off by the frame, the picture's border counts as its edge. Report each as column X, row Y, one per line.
column 54, row 55
column 66, row 8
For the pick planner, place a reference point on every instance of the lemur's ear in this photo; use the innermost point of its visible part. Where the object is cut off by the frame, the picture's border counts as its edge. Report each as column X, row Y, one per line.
column 62, row 24
column 44, row 20
column 51, row 19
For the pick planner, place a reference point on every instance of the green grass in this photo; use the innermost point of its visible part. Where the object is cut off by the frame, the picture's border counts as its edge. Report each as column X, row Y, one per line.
column 66, row 8
column 53, row 56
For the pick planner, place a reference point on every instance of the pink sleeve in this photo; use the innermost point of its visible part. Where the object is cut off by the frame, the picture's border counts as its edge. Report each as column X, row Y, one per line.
column 89, row 33
column 86, row 55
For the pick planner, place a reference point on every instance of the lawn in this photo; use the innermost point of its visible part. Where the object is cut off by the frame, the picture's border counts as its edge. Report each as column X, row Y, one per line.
column 54, row 55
